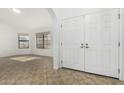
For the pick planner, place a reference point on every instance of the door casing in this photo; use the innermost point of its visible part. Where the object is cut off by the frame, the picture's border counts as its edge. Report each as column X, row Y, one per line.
column 84, row 50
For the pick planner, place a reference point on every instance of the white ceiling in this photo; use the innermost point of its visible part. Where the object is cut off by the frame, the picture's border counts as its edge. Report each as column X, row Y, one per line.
column 29, row 18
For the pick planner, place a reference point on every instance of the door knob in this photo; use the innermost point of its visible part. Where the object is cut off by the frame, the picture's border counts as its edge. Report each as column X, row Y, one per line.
column 87, row 46
column 82, row 45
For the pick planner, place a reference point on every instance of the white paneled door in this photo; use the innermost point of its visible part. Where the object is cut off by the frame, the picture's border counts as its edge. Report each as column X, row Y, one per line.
column 101, row 37
column 90, row 43
column 72, row 43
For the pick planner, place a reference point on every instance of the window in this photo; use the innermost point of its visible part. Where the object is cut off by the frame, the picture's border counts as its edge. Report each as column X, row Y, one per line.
column 23, row 41
column 43, row 40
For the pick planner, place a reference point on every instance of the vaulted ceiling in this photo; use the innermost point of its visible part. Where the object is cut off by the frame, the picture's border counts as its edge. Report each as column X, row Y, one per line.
column 29, row 18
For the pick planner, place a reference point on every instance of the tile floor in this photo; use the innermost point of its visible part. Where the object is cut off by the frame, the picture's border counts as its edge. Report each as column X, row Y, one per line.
column 40, row 72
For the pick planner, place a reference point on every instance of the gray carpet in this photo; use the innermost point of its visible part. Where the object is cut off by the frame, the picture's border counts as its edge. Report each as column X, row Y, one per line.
column 41, row 72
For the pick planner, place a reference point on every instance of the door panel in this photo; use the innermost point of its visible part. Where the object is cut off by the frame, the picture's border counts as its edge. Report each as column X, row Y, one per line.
column 72, row 37
column 101, row 34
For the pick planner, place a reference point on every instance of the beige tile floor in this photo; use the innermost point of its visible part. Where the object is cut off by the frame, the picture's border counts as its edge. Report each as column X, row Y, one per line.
column 40, row 72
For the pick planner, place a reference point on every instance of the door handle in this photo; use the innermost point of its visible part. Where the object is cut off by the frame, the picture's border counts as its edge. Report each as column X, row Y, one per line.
column 87, row 46
column 82, row 45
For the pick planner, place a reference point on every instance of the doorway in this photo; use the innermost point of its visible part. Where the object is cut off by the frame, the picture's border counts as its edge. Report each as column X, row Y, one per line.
column 90, row 43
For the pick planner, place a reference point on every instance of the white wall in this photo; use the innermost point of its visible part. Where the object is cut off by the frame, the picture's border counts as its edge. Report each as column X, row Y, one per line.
column 122, row 44
column 9, row 41
column 62, row 13
column 7, row 47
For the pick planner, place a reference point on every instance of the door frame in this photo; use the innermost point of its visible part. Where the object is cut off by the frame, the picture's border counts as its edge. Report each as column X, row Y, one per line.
column 119, row 61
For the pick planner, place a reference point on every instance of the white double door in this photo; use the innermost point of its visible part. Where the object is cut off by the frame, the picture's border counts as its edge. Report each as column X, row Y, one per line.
column 90, row 43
